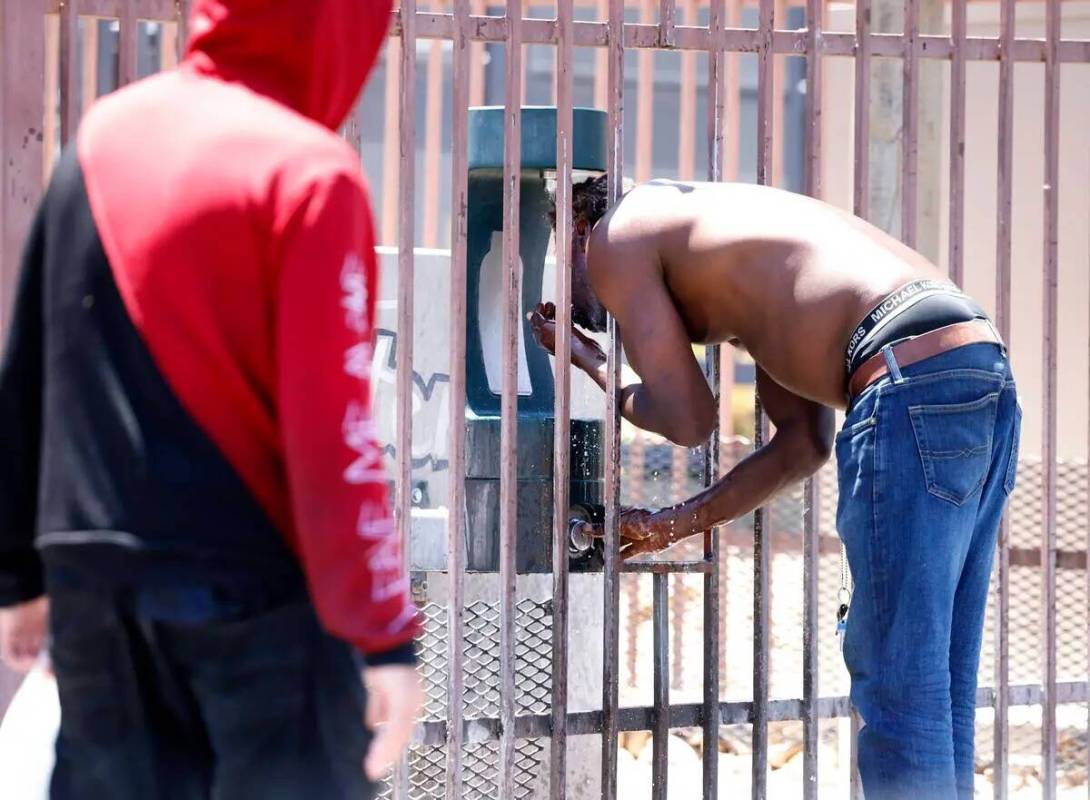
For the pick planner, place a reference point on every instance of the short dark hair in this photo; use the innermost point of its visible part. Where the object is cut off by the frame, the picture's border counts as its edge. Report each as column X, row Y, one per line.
column 589, row 200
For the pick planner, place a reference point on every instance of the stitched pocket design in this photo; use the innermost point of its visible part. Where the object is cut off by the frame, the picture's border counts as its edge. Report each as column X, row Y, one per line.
column 955, row 445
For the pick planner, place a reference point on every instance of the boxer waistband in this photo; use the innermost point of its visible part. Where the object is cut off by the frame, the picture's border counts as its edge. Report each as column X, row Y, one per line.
column 914, row 309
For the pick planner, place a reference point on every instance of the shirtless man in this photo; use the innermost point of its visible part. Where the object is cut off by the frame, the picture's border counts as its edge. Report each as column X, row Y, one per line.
column 837, row 315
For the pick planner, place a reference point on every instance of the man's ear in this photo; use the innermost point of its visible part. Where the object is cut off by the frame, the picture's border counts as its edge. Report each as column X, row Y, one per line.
column 582, row 228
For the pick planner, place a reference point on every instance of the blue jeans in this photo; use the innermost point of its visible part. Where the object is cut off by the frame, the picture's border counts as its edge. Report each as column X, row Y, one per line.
column 926, row 459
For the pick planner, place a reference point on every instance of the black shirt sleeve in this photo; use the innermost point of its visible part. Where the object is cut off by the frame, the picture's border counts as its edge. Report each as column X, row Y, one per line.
column 404, row 654
column 21, row 387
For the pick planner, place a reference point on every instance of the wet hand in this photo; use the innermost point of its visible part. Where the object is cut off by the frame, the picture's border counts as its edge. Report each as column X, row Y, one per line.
column 641, row 531
column 585, row 352
column 543, row 324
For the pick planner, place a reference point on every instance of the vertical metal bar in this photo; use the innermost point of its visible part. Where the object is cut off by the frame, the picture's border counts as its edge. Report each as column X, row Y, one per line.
column 760, row 545
column 128, row 43
column 958, row 33
column 601, row 58
column 69, row 34
column 610, row 579
column 910, row 116
column 433, row 128
column 565, row 56
column 725, row 461
column 477, row 63
column 732, row 79
column 686, row 142
column 90, row 61
column 777, row 120
column 760, row 633
column 765, row 101
column 1004, row 191
column 710, row 711
column 660, row 609
column 22, row 109
column 862, row 108
column 810, row 639
column 168, row 47
column 712, row 635
column 183, row 25
column 667, row 13
column 811, row 505
column 861, row 207
column 456, row 547
column 390, row 142
column 717, row 86
column 856, row 784
column 645, row 100
column 512, row 319
column 1050, row 348
column 406, row 196
column 51, row 88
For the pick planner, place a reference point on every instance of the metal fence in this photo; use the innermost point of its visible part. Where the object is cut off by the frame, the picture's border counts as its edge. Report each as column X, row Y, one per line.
column 498, row 721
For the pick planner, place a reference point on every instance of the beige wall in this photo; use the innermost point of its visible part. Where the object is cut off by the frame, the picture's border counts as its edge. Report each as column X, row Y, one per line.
column 980, row 203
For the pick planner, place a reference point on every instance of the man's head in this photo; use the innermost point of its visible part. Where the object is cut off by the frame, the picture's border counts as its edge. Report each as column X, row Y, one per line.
column 589, row 203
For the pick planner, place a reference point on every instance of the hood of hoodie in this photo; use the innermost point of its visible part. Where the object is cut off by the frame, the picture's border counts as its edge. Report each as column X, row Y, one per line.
column 311, row 55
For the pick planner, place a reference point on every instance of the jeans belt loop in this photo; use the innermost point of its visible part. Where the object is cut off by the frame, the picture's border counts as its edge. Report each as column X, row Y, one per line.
column 998, row 338
column 891, row 364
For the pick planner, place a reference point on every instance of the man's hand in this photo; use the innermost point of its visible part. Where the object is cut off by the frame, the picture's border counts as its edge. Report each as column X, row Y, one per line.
column 585, row 352
column 23, row 630
column 641, row 531
column 394, row 700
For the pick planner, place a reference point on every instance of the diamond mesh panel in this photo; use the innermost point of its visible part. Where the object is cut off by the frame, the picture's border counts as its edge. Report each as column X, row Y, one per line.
column 433, row 661
column 479, row 778
column 533, row 663
column 534, row 657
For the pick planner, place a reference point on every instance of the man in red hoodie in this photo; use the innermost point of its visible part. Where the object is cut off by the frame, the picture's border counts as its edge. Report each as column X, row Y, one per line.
column 189, row 467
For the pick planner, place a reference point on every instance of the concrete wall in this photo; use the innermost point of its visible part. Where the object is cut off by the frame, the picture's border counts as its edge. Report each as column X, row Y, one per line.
column 431, row 367
column 982, row 114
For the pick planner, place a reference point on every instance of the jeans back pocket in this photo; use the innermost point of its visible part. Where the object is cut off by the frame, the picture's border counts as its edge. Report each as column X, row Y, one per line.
column 955, row 445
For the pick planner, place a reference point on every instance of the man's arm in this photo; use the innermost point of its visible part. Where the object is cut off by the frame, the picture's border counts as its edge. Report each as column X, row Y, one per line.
column 348, row 546
column 801, row 444
column 671, row 396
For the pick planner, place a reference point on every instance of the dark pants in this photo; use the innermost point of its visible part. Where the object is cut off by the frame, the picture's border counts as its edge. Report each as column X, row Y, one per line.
column 227, row 706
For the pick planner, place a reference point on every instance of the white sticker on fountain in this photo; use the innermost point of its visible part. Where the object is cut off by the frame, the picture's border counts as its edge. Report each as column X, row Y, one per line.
column 490, row 309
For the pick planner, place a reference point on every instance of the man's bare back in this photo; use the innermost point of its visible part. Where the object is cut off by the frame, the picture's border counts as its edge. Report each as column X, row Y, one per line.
column 779, row 274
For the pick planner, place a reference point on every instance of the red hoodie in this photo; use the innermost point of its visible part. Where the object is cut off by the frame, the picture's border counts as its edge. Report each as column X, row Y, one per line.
column 240, row 236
